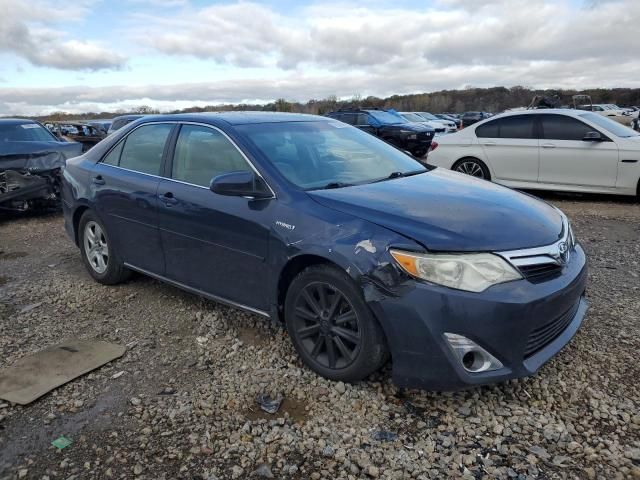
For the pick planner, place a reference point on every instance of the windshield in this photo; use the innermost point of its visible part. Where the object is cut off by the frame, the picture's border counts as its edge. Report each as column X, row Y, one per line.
column 386, row 117
column 412, row 117
column 330, row 154
column 428, row 116
column 610, row 125
column 25, row 132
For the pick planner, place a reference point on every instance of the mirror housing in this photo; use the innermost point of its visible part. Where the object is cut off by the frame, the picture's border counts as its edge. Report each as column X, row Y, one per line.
column 592, row 137
column 240, row 184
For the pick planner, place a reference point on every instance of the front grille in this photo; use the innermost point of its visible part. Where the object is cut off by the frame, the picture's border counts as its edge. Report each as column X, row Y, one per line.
column 540, row 272
column 544, row 335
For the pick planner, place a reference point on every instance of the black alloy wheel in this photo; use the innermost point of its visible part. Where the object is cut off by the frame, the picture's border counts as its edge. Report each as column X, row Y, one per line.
column 327, row 325
column 332, row 327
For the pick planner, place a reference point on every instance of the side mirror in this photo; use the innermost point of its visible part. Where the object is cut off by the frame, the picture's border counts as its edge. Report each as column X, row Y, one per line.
column 240, row 184
column 592, row 137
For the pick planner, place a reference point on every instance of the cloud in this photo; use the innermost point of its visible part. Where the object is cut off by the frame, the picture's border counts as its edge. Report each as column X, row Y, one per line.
column 26, row 31
column 314, row 50
column 298, row 86
column 341, row 36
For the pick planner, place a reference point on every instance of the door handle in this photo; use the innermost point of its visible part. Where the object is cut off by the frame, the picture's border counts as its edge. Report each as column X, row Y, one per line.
column 490, row 144
column 548, row 145
column 98, row 180
column 168, row 199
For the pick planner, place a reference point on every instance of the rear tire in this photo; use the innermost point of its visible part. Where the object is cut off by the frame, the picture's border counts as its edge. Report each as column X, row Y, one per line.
column 473, row 167
column 331, row 326
column 99, row 254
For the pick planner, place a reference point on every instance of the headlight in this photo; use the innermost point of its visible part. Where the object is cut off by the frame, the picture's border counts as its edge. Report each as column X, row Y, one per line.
column 473, row 272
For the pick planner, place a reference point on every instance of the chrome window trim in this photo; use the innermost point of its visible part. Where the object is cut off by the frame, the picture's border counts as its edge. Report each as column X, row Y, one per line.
column 132, row 171
column 545, row 254
column 174, row 122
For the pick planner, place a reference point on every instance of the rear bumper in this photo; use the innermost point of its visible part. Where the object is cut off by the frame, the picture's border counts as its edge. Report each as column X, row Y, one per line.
column 506, row 320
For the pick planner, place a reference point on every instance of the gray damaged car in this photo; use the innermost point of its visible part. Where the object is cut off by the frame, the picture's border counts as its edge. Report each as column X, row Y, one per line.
column 31, row 160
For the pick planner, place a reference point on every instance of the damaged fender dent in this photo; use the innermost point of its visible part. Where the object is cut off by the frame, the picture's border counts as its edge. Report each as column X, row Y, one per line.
column 367, row 261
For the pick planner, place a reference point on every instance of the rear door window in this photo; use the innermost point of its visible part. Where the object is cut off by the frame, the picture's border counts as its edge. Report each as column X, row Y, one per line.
column 562, row 127
column 514, row 127
column 143, row 148
column 203, row 153
column 349, row 118
column 488, row 130
column 518, row 126
column 361, row 119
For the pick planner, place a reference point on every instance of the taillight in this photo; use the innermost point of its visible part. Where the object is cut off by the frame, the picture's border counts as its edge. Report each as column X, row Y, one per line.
column 434, row 145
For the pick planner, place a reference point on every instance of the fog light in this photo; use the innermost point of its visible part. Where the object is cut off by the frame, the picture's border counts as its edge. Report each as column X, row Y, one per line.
column 472, row 356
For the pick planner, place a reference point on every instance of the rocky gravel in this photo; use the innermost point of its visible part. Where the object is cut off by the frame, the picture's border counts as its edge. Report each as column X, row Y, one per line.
column 181, row 403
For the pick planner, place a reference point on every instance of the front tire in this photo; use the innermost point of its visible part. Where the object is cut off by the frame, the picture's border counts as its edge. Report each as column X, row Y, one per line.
column 331, row 327
column 473, row 167
column 98, row 252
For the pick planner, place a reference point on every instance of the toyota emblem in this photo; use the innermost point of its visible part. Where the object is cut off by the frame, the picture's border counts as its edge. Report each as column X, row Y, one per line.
column 563, row 252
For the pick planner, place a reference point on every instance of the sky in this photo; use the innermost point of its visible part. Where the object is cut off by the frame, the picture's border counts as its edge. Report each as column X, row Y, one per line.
column 109, row 55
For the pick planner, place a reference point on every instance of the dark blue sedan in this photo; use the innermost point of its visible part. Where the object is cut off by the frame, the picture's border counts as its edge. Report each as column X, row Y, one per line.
column 362, row 252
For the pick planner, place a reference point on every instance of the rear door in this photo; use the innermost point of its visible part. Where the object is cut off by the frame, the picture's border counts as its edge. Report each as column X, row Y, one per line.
column 214, row 243
column 125, row 183
column 566, row 159
column 510, row 145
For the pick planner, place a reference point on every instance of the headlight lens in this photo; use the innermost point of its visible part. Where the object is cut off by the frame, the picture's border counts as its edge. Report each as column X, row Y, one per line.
column 473, row 272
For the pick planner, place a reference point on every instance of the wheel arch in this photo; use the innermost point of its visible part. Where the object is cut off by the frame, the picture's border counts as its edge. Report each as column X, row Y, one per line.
column 77, row 215
column 292, row 268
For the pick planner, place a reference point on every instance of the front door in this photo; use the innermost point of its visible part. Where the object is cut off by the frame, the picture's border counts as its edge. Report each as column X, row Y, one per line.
column 214, row 243
column 126, row 183
column 566, row 159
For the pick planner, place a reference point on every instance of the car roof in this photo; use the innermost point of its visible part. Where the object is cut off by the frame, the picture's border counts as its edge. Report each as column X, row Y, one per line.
column 15, row 121
column 563, row 111
column 238, row 118
column 127, row 117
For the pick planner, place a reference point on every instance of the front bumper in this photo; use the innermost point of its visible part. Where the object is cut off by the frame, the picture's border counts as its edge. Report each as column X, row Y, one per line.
column 504, row 320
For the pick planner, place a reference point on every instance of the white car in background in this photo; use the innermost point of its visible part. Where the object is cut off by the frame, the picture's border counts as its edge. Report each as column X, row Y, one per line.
column 450, row 125
column 438, row 126
column 614, row 112
column 565, row 150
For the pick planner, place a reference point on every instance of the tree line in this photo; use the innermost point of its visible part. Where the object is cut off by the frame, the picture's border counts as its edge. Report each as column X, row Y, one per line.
column 495, row 100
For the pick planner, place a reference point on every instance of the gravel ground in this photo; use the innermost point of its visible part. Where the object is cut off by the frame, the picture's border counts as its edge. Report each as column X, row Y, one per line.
column 185, row 406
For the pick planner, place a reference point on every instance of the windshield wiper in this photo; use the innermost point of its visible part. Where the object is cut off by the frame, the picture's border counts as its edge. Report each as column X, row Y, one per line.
column 331, row 185
column 393, row 175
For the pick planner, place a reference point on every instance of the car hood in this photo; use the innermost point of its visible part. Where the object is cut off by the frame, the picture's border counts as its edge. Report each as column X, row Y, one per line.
column 447, row 211
column 414, row 127
column 36, row 156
